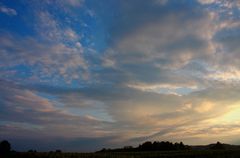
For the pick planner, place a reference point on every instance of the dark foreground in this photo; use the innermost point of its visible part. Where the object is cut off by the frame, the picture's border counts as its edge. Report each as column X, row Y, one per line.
column 154, row 154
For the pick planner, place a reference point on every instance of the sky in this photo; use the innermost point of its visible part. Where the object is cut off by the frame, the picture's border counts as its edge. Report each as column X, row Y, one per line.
column 81, row 75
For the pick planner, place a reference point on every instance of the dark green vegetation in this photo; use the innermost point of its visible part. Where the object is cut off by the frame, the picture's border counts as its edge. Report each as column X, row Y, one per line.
column 145, row 150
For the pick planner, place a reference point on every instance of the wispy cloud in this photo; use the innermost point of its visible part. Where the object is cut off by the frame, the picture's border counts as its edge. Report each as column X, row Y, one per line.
column 7, row 10
column 20, row 105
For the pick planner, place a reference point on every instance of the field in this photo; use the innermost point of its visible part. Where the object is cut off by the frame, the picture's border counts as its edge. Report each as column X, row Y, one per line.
column 156, row 154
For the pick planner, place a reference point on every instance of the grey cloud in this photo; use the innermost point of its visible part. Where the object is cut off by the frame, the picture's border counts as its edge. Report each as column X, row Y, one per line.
column 153, row 136
column 134, row 14
column 163, row 115
column 160, row 44
column 228, row 40
column 151, row 43
column 22, row 106
column 128, row 109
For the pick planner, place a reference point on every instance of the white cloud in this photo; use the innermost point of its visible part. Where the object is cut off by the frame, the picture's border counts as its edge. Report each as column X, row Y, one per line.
column 46, row 59
column 71, row 35
column 74, row 3
column 207, row 1
column 65, row 4
column 50, row 29
column 58, row 53
column 8, row 11
column 161, row 2
column 227, row 75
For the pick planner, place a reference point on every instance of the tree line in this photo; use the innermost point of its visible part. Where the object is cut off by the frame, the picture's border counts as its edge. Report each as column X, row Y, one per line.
column 151, row 146
column 5, row 147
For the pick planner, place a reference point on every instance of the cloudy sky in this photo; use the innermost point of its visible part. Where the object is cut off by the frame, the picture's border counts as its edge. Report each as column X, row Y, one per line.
column 80, row 75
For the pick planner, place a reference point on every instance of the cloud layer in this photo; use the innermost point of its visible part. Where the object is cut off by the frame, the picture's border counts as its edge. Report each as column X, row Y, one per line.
column 148, row 70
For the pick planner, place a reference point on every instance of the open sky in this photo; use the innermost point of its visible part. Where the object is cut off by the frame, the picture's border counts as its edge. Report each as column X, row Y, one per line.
column 80, row 75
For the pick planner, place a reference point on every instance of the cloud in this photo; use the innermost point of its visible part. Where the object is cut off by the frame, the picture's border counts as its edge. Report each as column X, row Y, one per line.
column 8, row 11
column 50, row 29
column 46, row 59
column 68, row 3
column 162, row 46
column 224, row 4
column 129, row 118
column 165, row 112
column 23, row 108
column 169, row 69
column 75, row 2
column 206, row 1
column 56, row 52
column 205, row 107
column 154, row 46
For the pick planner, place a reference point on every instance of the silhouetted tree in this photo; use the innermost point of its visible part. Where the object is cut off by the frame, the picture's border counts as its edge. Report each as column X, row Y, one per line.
column 103, row 150
column 181, row 146
column 5, row 147
column 161, row 146
column 217, row 146
column 58, row 151
column 147, row 146
column 32, row 151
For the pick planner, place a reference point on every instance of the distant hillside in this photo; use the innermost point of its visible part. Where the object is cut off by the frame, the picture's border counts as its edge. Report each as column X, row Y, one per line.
column 169, row 146
column 217, row 145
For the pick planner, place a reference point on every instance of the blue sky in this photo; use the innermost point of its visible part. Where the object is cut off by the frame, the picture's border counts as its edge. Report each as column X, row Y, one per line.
column 80, row 75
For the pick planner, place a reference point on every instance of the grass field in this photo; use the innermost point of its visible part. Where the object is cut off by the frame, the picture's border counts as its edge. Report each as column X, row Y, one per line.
column 162, row 154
